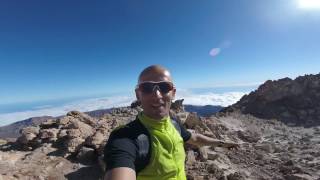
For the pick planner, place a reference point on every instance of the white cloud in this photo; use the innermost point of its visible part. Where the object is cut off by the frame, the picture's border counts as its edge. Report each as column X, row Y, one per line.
column 223, row 99
column 83, row 105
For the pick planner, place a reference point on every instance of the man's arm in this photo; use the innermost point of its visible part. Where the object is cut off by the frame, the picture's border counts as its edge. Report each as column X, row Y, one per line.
column 121, row 173
column 119, row 156
column 201, row 140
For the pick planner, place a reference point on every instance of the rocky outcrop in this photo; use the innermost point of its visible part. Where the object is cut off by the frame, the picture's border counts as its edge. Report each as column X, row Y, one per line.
column 59, row 148
column 12, row 131
column 71, row 147
column 294, row 102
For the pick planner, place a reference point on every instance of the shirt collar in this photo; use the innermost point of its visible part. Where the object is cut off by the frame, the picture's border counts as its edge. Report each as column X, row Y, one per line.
column 153, row 123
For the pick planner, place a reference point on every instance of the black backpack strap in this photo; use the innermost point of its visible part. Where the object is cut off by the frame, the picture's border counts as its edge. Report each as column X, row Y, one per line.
column 176, row 125
column 143, row 142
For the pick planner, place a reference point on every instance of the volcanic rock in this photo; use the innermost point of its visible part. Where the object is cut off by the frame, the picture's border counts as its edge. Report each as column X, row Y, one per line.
column 294, row 102
column 71, row 147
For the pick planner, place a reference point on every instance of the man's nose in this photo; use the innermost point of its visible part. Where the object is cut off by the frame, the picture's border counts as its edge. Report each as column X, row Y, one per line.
column 156, row 91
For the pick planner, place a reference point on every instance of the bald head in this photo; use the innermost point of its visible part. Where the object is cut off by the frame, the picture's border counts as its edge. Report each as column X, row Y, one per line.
column 155, row 73
column 155, row 103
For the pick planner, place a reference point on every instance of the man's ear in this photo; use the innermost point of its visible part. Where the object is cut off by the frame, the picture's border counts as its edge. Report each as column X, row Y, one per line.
column 137, row 95
column 173, row 93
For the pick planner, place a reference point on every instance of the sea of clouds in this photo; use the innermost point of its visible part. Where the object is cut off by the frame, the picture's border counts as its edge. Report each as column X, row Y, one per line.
column 90, row 104
column 209, row 98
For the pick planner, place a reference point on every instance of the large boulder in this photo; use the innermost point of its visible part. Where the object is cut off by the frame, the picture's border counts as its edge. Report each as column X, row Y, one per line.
column 193, row 120
column 97, row 139
column 49, row 134
column 28, row 134
column 82, row 117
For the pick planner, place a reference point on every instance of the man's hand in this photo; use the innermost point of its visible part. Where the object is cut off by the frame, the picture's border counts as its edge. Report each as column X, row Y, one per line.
column 201, row 140
column 229, row 145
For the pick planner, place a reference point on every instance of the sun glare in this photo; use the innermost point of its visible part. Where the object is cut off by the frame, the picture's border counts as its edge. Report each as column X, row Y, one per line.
column 309, row 4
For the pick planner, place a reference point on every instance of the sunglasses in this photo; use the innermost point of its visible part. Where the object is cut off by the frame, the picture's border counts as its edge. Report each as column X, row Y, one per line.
column 149, row 87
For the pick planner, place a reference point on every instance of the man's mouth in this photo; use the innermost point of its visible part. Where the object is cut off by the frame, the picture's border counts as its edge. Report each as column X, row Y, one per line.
column 157, row 105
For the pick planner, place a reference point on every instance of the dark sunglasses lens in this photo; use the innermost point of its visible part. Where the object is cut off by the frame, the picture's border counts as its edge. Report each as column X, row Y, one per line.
column 146, row 87
column 165, row 87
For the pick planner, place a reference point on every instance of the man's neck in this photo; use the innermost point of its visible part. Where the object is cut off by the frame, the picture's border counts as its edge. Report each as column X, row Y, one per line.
column 158, row 119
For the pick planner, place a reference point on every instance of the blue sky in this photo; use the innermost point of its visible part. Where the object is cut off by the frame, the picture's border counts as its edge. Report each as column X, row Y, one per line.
column 53, row 50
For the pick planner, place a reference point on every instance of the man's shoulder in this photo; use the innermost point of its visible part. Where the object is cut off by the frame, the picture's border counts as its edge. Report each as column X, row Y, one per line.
column 129, row 131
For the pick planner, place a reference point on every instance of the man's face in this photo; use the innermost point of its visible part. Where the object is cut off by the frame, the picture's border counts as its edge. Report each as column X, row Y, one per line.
column 156, row 104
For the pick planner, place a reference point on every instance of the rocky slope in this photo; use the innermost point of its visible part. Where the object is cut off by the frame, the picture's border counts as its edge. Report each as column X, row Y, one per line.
column 65, row 148
column 12, row 131
column 294, row 102
column 71, row 147
column 269, row 150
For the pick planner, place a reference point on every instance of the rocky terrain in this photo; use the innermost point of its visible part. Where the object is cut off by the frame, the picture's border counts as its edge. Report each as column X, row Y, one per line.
column 71, row 147
column 11, row 132
column 294, row 102
column 271, row 148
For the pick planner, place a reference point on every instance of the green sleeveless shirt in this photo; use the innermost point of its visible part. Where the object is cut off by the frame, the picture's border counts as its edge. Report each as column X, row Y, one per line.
column 168, row 154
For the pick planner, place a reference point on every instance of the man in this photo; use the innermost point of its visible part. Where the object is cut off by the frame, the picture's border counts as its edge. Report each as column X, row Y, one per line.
column 155, row 91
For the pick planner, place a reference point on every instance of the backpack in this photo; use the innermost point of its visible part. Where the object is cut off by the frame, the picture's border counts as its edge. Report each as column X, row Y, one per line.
column 136, row 131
